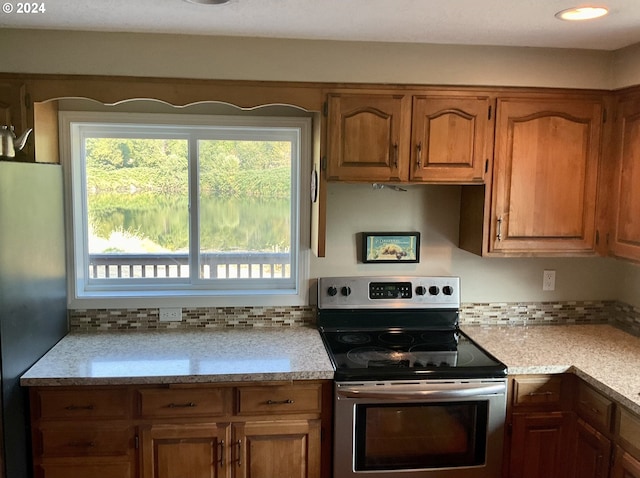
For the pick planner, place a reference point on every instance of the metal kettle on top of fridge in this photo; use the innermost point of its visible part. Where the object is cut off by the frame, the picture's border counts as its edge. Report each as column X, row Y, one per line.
column 9, row 142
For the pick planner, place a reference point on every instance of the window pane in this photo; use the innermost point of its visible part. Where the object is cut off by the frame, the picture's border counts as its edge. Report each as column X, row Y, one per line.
column 137, row 207
column 245, row 208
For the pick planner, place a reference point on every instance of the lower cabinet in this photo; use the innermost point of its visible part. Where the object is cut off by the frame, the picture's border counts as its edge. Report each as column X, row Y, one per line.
column 204, row 431
column 593, row 452
column 541, row 445
column 625, row 465
column 286, row 449
column 560, row 426
column 289, row 448
column 169, row 451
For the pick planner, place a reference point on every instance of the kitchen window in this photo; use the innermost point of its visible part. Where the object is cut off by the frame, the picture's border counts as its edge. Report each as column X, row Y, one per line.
column 169, row 207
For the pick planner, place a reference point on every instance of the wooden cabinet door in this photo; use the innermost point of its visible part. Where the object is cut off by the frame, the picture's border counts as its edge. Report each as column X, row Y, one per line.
column 451, row 138
column 368, row 137
column 194, row 450
column 545, row 175
column 593, row 452
column 625, row 465
column 287, row 449
column 626, row 228
column 540, row 445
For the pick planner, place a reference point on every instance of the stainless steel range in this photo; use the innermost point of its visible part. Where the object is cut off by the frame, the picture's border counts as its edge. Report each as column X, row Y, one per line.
column 414, row 396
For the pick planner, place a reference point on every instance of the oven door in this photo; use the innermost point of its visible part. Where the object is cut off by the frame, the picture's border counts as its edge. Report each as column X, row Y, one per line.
column 431, row 428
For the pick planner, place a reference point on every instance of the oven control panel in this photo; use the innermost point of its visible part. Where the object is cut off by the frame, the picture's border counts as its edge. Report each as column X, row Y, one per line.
column 392, row 292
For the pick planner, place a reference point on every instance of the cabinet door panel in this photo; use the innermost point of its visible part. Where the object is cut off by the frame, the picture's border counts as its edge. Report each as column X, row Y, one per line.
column 286, row 449
column 367, row 138
column 545, row 176
column 593, row 453
column 539, row 446
column 451, row 138
column 626, row 241
column 197, row 450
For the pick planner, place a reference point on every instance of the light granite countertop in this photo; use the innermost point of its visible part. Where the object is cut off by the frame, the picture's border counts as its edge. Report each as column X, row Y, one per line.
column 185, row 356
column 604, row 356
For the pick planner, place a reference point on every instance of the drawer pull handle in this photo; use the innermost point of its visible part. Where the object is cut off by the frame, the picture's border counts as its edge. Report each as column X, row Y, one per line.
column 280, row 402
column 182, row 405
column 73, row 408
column 221, row 460
column 589, row 407
column 239, row 459
column 539, row 394
column 81, row 444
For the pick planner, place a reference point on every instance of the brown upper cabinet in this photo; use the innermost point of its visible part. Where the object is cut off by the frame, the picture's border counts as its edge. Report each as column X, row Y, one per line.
column 436, row 138
column 547, row 152
column 625, row 240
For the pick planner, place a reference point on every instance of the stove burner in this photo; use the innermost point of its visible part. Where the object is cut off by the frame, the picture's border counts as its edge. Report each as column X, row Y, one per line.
column 354, row 338
column 396, row 338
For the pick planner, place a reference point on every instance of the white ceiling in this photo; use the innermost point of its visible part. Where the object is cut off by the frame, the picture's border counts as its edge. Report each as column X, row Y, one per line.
column 466, row 22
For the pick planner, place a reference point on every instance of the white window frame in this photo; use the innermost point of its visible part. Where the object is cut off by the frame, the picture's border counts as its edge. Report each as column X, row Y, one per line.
column 194, row 292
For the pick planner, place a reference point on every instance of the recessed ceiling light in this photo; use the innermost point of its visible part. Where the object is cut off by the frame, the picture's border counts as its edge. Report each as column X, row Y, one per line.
column 582, row 13
column 208, row 2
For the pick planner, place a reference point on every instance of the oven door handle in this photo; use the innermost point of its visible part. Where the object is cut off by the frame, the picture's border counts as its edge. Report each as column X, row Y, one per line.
column 433, row 394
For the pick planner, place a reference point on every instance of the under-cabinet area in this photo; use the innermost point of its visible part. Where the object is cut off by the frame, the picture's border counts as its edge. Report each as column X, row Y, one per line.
column 257, row 430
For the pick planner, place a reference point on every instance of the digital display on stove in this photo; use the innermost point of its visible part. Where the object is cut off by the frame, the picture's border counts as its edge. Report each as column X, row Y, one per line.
column 390, row 290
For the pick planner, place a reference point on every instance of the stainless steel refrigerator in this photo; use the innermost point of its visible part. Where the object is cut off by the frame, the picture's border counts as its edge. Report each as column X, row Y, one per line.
column 33, row 299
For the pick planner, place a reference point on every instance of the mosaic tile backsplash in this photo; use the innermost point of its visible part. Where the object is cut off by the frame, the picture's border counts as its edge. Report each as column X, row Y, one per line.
column 501, row 313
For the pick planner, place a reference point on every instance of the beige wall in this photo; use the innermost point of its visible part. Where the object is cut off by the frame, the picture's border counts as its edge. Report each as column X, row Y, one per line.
column 432, row 210
column 626, row 67
column 33, row 51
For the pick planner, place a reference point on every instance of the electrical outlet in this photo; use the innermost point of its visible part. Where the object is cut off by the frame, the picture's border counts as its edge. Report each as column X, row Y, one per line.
column 170, row 314
column 549, row 280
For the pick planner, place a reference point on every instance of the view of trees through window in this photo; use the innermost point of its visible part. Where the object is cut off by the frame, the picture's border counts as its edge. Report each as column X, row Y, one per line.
column 138, row 199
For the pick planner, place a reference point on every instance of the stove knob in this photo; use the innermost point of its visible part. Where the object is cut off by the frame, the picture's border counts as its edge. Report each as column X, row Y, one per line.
column 332, row 291
column 434, row 290
column 447, row 290
column 346, row 291
column 421, row 290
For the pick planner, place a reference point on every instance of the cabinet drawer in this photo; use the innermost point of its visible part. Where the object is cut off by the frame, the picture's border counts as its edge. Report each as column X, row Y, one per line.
column 69, row 404
column 628, row 425
column 278, row 400
column 185, row 402
column 594, row 407
column 89, row 440
column 538, row 390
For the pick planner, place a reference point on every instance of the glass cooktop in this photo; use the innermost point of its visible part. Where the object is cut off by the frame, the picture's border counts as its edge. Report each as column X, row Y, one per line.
column 388, row 354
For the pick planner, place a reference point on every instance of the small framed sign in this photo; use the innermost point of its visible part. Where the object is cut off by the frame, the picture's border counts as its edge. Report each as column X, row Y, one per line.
column 390, row 247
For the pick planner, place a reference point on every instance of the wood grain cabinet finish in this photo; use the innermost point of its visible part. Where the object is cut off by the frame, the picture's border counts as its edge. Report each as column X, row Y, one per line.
column 83, row 432
column 592, row 452
column 625, row 465
column 289, row 448
column 540, row 445
column 228, row 430
column 445, row 138
column 625, row 239
column 368, row 137
column 451, row 138
column 546, row 161
column 175, row 450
